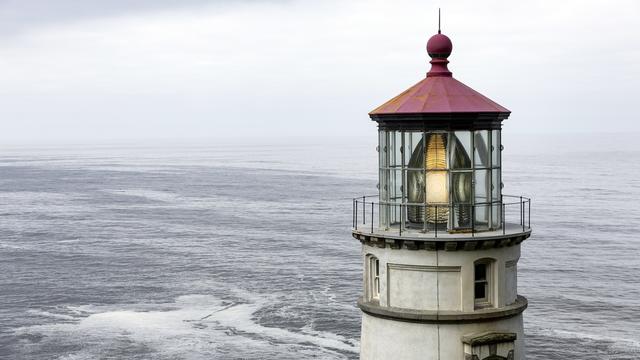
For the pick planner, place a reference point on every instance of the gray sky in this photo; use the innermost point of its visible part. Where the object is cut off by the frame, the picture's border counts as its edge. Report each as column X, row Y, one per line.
column 120, row 70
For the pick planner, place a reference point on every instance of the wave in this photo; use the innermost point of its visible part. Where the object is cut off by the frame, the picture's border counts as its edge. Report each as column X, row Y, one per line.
column 191, row 327
column 616, row 341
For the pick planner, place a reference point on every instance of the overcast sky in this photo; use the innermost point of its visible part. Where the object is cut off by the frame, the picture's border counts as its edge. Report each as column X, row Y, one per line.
column 155, row 69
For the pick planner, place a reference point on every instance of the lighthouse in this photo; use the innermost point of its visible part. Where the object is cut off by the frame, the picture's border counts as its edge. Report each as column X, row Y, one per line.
column 440, row 241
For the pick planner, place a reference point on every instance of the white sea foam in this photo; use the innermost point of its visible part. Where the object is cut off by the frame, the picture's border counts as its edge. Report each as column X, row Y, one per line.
column 192, row 327
column 163, row 196
column 239, row 317
column 48, row 314
column 617, row 341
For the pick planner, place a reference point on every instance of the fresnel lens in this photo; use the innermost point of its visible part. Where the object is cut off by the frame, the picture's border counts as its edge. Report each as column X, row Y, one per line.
column 434, row 192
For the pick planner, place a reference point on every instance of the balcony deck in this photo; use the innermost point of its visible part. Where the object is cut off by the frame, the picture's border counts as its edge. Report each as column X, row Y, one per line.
column 397, row 236
column 513, row 234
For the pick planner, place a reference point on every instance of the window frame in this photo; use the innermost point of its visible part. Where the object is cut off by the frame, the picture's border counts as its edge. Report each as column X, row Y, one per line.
column 373, row 277
column 488, row 282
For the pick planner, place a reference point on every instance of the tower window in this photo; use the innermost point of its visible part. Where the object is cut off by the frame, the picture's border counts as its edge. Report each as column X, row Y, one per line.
column 482, row 283
column 374, row 275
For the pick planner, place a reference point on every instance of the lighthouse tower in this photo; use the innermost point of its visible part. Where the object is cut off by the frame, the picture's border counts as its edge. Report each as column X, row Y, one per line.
column 441, row 242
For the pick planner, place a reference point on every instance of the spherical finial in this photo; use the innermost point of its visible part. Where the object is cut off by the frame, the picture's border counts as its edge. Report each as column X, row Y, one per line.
column 439, row 46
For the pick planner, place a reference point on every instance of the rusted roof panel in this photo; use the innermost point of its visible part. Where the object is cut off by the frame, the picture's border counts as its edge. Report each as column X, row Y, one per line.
column 439, row 94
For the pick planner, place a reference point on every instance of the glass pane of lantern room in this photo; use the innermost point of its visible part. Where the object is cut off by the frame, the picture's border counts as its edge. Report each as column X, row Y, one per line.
column 383, row 179
column 395, row 149
column 482, row 148
column 382, row 149
column 415, row 177
column 413, row 149
column 495, row 148
column 437, row 178
column 461, row 200
column 496, row 190
column 384, row 198
column 482, row 188
column 482, row 199
column 460, row 150
column 437, row 196
column 395, row 195
column 482, row 215
column 496, row 204
column 394, row 213
column 415, row 196
column 496, row 215
column 437, row 187
column 388, row 147
column 395, row 185
column 383, row 159
column 384, row 185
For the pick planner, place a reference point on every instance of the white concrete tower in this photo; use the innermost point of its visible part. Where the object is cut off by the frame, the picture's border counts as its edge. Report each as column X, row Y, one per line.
column 441, row 243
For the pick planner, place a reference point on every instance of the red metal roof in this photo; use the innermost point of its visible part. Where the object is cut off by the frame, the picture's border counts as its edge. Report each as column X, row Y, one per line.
column 439, row 92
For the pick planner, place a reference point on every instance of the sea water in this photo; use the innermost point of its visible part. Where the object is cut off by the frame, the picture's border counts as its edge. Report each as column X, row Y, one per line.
column 241, row 249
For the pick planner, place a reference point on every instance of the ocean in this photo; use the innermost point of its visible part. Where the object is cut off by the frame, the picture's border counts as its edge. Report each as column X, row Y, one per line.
column 228, row 249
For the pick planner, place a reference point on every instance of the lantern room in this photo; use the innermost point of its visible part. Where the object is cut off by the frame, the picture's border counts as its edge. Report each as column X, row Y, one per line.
column 440, row 153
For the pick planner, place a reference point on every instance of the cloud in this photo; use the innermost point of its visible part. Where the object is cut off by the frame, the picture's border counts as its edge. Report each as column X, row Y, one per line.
column 299, row 68
column 20, row 15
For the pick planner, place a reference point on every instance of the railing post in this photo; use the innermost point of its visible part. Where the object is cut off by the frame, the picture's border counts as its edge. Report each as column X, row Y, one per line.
column 529, row 213
column 424, row 219
column 473, row 220
column 372, row 217
column 521, row 216
column 435, row 224
column 387, row 216
column 356, row 226
column 504, row 221
column 400, row 223
column 364, row 209
column 522, row 212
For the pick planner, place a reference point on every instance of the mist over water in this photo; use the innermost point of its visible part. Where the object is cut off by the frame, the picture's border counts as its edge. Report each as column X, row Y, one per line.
column 230, row 251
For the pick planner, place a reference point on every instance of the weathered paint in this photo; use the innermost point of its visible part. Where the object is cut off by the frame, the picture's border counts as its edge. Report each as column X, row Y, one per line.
column 439, row 94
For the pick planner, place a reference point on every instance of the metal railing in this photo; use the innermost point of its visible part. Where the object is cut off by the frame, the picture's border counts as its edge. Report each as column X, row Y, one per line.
column 370, row 215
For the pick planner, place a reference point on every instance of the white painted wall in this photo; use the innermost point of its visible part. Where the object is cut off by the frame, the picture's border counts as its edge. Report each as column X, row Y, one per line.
column 429, row 280
column 387, row 339
column 443, row 280
column 421, row 287
column 511, row 283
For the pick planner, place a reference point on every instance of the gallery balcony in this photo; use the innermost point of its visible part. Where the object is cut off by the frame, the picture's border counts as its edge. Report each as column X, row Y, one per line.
column 441, row 226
